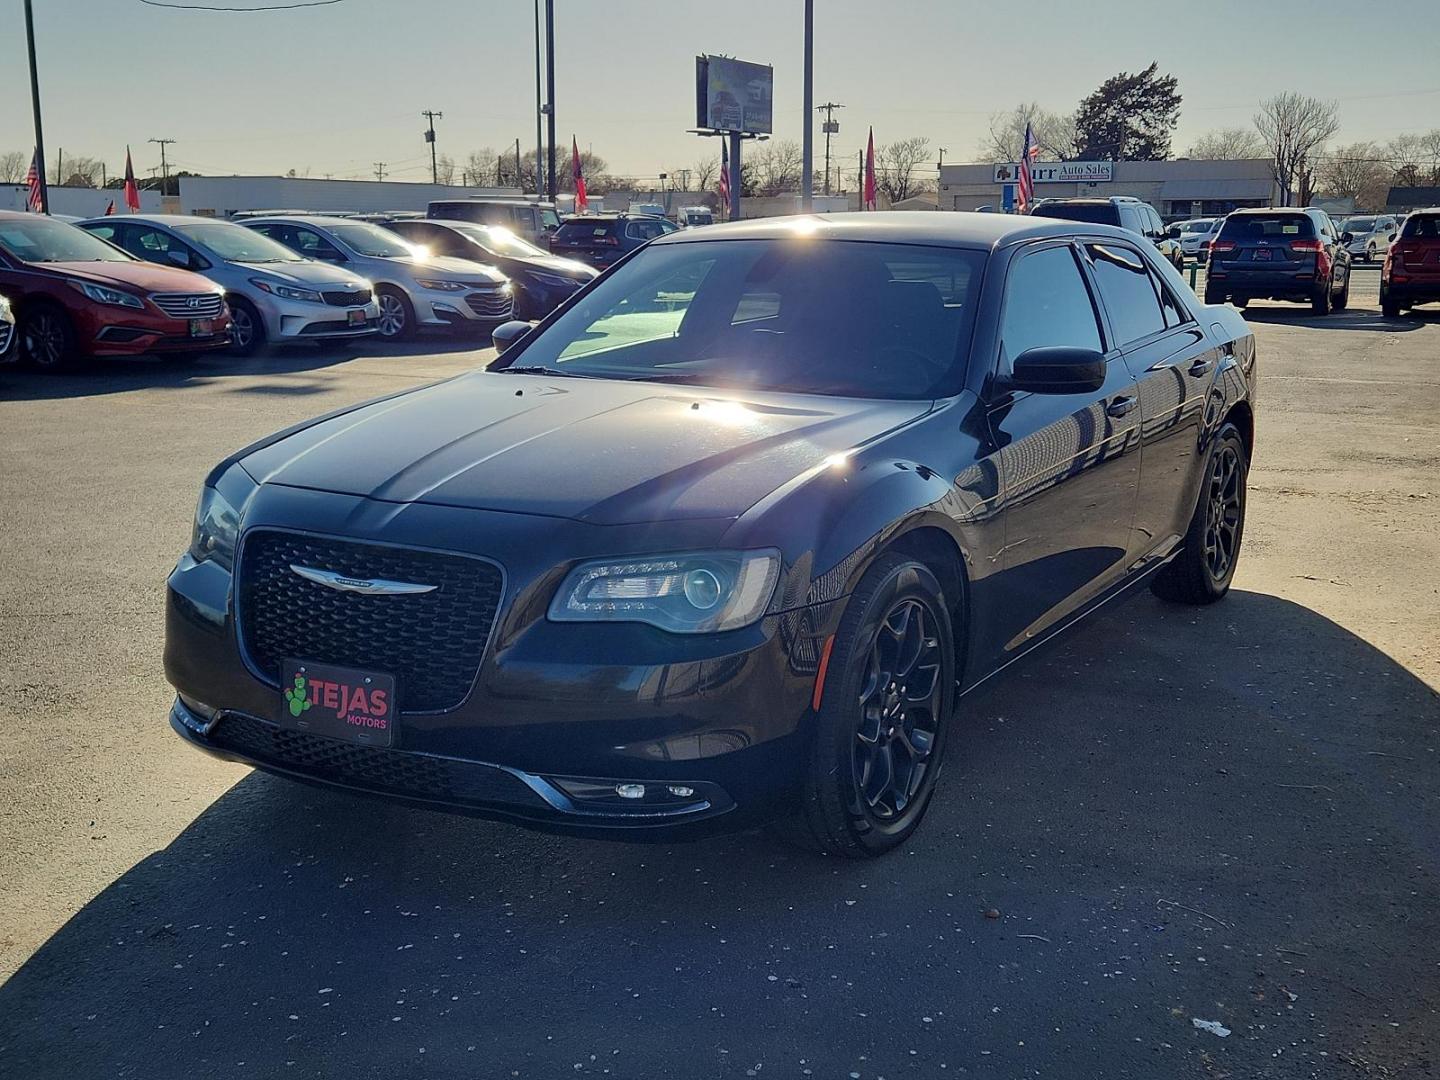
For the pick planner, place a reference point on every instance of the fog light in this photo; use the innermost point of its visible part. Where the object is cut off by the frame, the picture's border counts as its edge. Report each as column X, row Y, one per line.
column 680, row 791
column 630, row 791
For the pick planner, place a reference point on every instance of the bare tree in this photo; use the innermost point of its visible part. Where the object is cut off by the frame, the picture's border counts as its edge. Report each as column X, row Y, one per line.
column 706, row 172
column 1415, row 158
column 896, row 164
column 1227, row 144
column 1005, row 139
column 1358, row 171
column 445, row 169
column 479, row 168
column 1295, row 129
column 13, row 164
column 775, row 166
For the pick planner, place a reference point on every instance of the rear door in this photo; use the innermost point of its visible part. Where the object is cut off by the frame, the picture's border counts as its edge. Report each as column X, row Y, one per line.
column 1173, row 363
column 1069, row 463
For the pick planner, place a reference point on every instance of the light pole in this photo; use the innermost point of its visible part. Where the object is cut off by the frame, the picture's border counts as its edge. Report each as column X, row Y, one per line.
column 539, row 112
column 807, row 156
column 550, row 90
column 35, row 102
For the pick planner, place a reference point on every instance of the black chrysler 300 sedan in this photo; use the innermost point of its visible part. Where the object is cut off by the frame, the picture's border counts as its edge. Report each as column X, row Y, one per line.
column 727, row 536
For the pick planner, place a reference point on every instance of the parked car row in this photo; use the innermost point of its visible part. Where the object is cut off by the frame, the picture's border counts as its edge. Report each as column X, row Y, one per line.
column 1411, row 273
column 1123, row 211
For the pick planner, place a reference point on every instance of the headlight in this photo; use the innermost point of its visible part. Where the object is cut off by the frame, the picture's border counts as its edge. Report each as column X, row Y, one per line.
column 287, row 292
column 439, row 285
column 555, row 281
column 697, row 593
column 5, row 308
column 102, row 295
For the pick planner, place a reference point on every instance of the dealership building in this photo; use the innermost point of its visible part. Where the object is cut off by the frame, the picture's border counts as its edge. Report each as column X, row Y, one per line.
column 1177, row 189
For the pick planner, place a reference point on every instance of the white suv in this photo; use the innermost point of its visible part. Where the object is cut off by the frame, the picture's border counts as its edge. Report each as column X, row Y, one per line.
column 1370, row 237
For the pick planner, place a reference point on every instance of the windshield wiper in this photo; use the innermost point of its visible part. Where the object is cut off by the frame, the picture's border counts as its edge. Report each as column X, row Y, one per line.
column 543, row 371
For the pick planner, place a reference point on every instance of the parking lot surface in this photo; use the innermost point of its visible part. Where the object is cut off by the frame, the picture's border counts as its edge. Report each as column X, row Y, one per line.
column 1228, row 815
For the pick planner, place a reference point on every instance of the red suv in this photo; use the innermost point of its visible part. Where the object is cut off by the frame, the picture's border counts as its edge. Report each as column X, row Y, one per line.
column 77, row 296
column 1411, row 274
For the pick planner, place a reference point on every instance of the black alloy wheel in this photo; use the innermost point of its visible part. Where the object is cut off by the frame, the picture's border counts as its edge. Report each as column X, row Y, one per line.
column 1224, row 511
column 47, row 339
column 1201, row 572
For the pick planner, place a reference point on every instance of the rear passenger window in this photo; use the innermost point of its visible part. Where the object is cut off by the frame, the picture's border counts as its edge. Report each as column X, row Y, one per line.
column 1131, row 294
column 1047, row 303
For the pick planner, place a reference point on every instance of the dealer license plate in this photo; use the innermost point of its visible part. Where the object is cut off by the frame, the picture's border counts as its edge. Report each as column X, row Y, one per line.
column 338, row 703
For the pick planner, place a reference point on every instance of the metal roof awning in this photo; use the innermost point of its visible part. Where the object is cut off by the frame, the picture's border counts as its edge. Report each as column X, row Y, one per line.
column 1216, row 189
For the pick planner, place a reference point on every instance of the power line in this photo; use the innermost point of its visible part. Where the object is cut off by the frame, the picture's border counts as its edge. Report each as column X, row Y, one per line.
column 264, row 7
column 164, row 168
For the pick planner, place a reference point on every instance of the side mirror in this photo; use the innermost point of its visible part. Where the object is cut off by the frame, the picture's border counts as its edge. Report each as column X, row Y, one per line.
column 178, row 257
column 1056, row 369
column 1173, row 233
column 508, row 333
column 1346, row 237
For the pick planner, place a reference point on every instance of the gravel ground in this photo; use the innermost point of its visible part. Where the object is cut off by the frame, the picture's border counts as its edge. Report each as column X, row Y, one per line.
column 1227, row 815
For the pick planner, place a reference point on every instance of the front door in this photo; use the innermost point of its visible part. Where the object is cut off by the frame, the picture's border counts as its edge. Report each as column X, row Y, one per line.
column 1069, row 463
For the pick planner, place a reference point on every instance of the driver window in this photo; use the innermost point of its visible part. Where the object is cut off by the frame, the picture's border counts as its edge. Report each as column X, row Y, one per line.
column 1047, row 303
column 314, row 246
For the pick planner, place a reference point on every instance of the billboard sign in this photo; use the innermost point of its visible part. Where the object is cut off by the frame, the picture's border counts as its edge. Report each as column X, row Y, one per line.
column 1059, row 172
column 733, row 95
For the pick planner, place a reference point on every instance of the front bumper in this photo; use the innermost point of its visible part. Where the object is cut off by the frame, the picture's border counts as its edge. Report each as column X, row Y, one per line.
column 473, row 309
column 296, row 320
column 558, row 714
column 134, row 335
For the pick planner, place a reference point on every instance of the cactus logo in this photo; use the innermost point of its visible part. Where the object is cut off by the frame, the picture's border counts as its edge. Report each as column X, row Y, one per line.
column 298, row 699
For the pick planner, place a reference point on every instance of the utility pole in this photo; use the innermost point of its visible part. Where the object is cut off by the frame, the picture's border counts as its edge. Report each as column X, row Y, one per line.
column 35, row 104
column 684, row 179
column 59, row 166
column 379, row 170
column 539, row 112
column 942, row 159
column 830, row 127
column 518, row 182
column 550, row 90
column 164, row 167
column 807, row 153
column 432, row 116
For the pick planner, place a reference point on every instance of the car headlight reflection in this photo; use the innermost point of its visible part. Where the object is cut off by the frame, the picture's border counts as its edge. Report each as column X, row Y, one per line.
column 695, row 593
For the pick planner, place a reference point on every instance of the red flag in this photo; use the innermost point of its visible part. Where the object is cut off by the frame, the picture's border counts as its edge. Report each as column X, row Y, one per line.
column 132, row 190
column 110, row 209
column 870, row 172
column 582, row 201
column 724, row 179
column 33, row 197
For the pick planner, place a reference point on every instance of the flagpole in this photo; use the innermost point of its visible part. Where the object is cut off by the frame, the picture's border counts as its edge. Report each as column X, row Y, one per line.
column 35, row 102
column 807, row 165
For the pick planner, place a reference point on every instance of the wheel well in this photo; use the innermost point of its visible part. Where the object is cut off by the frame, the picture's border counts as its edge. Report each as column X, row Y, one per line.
column 1243, row 419
column 937, row 550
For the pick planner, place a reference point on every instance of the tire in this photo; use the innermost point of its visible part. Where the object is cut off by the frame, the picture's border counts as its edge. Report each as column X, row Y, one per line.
column 1320, row 300
column 1213, row 297
column 397, row 314
column 1241, row 302
column 1342, row 298
column 47, row 338
column 1202, row 572
column 896, row 620
column 247, row 328
column 1389, row 308
column 1370, row 253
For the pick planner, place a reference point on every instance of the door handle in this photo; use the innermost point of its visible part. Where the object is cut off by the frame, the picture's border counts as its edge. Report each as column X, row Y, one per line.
column 1120, row 406
column 1201, row 365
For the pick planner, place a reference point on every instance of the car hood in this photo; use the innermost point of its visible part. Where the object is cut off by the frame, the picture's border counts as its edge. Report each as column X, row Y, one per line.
column 147, row 277
column 553, row 264
column 601, row 451
column 302, row 273
column 447, row 266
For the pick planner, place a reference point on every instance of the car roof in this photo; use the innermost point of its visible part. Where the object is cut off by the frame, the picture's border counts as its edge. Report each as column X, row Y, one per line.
column 157, row 219
column 320, row 221
column 1250, row 210
column 960, row 228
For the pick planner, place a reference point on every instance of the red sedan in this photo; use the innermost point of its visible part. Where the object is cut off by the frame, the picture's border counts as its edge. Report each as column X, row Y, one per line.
column 76, row 296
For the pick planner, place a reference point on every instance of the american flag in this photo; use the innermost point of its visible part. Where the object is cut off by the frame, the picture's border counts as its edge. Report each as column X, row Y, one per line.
column 35, row 199
column 577, row 174
column 1024, row 182
column 724, row 179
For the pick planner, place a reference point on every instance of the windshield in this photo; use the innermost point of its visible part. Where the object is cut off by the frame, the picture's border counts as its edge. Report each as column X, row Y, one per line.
column 1358, row 224
column 812, row 316
column 1094, row 213
column 235, row 243
column 373, row 241
column 42, row 239
column 1196, row 227
column 499, row 241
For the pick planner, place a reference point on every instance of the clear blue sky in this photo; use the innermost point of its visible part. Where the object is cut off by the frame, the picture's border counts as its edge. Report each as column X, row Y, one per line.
column 333, row 89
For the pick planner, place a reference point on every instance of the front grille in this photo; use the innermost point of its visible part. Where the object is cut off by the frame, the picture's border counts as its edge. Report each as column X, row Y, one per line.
column 490, row 305
column 189, row 305
column 358, row 298
column 431, row 642
column 374, row 768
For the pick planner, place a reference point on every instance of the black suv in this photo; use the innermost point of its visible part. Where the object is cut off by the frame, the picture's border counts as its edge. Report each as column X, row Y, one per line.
column 1124, row 211
column 603, row 239
column 1280, row 253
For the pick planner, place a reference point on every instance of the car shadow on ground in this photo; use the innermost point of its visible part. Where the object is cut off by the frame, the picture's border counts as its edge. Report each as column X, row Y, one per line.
column 125, row 374
column 1349, row 319
column 1227, row 814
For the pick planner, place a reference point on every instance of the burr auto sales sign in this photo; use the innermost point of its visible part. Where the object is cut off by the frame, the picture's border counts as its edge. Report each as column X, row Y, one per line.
column 1059, row 172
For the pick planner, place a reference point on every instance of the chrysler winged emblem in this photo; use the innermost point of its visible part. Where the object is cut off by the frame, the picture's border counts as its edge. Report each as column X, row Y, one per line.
column 367, row 586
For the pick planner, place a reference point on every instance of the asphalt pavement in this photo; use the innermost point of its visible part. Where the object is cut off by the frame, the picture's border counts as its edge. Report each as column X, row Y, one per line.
column 1180, row 843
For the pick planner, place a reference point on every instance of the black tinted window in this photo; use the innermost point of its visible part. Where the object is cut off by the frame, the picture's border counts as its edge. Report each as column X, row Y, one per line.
column 1047, row 303
column 1094, row 213
column 1131, row 295
column 579, row 231
column 1255, row 226
column 1422, row 227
